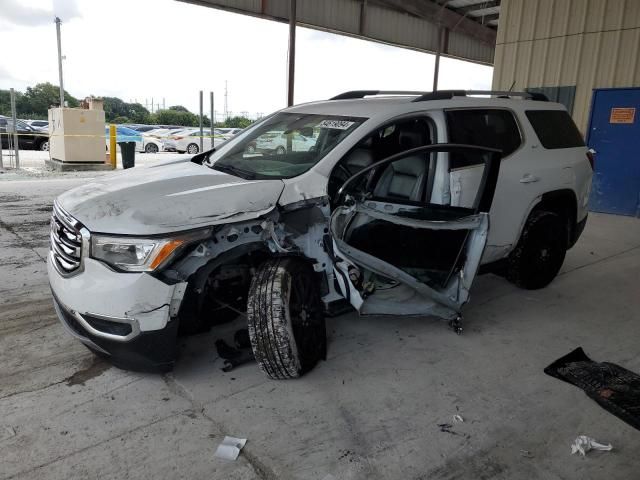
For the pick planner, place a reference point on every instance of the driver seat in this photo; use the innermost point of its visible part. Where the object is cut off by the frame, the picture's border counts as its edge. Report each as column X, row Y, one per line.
column 406, row 178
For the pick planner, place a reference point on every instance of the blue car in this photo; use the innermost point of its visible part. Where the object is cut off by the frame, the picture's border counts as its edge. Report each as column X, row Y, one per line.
column 124, row 134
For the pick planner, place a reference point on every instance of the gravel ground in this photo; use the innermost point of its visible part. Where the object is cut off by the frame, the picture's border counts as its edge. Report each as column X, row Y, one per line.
column 371, row 411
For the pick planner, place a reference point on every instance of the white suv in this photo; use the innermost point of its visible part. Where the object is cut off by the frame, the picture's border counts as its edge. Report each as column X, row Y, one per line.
column 403, row 198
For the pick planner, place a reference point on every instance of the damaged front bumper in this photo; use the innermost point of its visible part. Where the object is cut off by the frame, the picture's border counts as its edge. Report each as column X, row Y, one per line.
column 129, row 317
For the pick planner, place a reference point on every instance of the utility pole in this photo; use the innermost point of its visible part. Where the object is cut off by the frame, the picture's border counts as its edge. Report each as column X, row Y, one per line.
column 213, row 119
column 58, row 22
column 201, row 130
column 14, row 121
column 226, row 105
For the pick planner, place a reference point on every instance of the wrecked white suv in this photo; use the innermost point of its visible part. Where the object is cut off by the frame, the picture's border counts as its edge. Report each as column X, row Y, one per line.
column 394, row 208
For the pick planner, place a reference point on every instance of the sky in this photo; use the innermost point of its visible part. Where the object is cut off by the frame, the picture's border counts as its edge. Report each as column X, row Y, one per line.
column 164, row 49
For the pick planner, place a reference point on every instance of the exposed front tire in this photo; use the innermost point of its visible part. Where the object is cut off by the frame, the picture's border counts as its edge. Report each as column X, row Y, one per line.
column 44, row 146
column 192, row 149
column 540, row 252
column 285, row 318
column 281, row 150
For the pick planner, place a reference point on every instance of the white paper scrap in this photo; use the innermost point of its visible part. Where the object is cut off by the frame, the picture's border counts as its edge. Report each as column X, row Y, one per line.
column 458, row 419
column 230, row 448
column 583, row 444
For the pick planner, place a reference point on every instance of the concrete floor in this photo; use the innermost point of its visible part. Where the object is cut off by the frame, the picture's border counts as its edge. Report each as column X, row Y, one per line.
column 370, row 411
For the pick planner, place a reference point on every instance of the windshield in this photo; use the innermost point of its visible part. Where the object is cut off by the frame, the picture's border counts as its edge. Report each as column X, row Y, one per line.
column 283, row 146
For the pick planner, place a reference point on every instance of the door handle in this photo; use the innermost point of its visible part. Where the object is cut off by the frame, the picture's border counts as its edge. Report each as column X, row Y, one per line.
column 528, row 178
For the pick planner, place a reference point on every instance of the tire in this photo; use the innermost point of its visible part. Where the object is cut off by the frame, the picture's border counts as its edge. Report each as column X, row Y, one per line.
column 151, row 148
column 537, row 258
column 280, row 150
column 192, row 149
column 251, row 149
column 286, row 319
column 44, row 146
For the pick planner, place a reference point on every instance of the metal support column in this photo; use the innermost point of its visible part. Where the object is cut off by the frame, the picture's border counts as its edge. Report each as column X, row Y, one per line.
column 213, row 120
column 14, row 120
column 58, row 22
column 436, row 68
column 201, row 129
column 292, row 52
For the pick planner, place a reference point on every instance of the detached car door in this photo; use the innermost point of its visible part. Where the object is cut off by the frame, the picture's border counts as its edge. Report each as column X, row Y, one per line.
column 396, row 253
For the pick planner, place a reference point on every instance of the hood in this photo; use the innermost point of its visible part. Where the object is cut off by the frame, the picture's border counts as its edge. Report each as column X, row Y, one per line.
column 168, row 198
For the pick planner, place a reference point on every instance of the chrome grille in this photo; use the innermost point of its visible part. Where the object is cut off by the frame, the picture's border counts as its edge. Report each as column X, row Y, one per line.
column 66, row 241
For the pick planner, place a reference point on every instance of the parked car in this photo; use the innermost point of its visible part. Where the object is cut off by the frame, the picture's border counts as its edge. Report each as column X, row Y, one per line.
column 277, row 142
column 189, row 141
column 227, row 132
column 143, row 128
column 28, row 137
column 39, row 124
column 124, row 134
column 393, row 211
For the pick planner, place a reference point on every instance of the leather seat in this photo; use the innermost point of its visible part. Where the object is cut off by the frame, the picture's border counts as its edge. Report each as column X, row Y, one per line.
column 360, row 157
column 406, row 178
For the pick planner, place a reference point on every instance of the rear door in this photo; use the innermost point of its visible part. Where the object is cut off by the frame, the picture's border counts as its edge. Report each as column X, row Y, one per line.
column 519, row 177
column 396, row 253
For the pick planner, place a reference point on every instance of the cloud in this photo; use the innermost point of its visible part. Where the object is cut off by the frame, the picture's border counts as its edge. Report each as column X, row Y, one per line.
column 14, row 11
column 17, row 13
column 66, row 9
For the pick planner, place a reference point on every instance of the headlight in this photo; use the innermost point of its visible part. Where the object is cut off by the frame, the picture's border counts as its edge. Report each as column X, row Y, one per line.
column 140, row 254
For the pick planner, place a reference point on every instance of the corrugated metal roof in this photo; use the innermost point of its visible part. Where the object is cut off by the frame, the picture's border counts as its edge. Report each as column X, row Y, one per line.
column 413, row 24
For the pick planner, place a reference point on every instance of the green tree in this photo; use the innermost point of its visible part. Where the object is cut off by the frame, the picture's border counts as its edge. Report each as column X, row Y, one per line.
column 175, row 117
column 39, row 98
column 237, row 122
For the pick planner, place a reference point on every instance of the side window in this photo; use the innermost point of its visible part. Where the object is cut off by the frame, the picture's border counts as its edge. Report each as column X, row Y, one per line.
column 406, row 180
column 483, row 127
column 555, row 129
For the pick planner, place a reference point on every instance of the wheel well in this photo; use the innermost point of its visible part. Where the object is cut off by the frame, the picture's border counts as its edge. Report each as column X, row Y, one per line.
column 564, row 203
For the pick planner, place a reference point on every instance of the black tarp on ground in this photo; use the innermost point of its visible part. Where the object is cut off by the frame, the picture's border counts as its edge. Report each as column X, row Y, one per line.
column 616, row 389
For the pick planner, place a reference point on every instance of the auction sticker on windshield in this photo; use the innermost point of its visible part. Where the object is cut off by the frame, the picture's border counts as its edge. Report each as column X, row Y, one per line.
column 336, row 124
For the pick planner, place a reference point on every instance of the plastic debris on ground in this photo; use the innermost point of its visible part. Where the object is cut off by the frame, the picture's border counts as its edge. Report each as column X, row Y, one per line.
column 583, row 444
column 230, row 448
column 458, row 419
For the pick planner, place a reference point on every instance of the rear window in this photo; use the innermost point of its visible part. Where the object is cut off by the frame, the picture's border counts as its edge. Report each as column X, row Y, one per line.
column 492, row 128
column 555, row 129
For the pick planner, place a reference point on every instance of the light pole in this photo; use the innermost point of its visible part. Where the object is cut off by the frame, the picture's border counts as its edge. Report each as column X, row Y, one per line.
column 58, row 22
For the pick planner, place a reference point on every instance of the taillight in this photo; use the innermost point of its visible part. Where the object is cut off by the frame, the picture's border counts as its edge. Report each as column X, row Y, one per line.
column 591, row 157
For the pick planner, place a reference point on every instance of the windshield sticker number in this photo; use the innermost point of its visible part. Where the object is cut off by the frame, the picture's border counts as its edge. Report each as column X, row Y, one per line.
column 336, row 124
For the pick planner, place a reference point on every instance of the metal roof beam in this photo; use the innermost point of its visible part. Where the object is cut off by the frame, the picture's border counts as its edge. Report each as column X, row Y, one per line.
column 476, row 6
column 484, row 19
column 449, row 19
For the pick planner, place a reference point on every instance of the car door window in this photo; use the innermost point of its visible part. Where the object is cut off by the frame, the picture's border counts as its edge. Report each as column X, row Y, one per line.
column 494, row 128
column 409, row 179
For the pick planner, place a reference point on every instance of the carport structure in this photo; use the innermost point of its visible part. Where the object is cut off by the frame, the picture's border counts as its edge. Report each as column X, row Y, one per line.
column 463, row 29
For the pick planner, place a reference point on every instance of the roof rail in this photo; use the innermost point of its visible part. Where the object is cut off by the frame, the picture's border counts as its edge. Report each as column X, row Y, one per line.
column 368, row 93
column 448, row 94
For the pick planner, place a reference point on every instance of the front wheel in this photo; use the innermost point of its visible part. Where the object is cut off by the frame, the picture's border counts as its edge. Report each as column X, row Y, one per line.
column 280, row 150
column 192, row 149
column 44, row 146
column 286, row 319
column 151, row 148
column 537, row 258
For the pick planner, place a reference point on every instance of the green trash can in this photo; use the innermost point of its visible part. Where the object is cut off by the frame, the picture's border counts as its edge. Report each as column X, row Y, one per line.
column 128, row 152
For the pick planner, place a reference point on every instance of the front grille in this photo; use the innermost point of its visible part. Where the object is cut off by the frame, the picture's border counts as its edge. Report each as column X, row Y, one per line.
column 66, row 241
